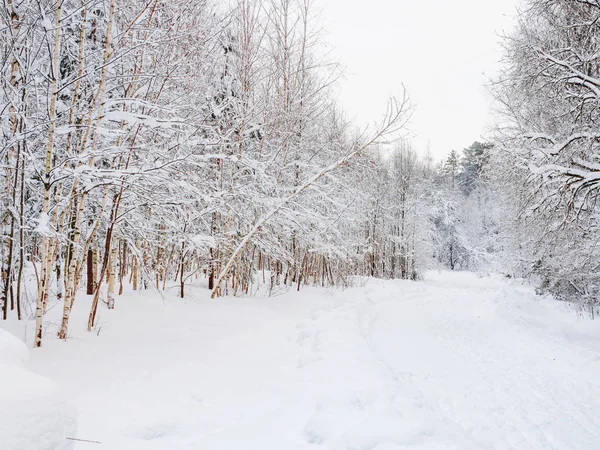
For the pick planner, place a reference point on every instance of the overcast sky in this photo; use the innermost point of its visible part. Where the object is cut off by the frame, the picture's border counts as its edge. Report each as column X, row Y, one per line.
column 442, row 50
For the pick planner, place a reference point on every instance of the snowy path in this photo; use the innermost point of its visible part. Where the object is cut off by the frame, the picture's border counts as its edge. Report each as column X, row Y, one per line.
column 453, row 362
column 493, row 367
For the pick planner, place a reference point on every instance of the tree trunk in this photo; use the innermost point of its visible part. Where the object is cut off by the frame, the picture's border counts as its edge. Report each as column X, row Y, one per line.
column 122, row 267
column 90, row 272
column 112, row 277
column 43, row 285
column 105, row 261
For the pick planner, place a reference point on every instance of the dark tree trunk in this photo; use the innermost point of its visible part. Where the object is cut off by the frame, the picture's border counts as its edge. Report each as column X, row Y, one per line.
column 90, row 272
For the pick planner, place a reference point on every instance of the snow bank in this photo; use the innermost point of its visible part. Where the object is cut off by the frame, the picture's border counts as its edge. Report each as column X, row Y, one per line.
column 33, row 414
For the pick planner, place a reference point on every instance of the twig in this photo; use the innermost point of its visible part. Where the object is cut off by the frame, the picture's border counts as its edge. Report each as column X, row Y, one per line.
column 83, row 440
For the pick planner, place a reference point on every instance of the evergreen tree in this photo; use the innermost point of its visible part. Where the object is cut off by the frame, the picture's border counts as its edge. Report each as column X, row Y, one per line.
column 471, row 165
column 451, row 168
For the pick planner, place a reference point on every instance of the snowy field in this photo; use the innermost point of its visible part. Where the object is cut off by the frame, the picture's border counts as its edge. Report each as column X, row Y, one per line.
column 456, row 362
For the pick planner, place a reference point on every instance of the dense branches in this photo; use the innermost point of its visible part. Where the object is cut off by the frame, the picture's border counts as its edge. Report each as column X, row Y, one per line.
column 159, row 141
column 549, row 95
column 155, row 144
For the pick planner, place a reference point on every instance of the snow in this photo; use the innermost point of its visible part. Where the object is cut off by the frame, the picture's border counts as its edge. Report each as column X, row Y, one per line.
column 457, row 361
column 47, row 24
column 33, row 412
column 43, row 225
column 203, row 240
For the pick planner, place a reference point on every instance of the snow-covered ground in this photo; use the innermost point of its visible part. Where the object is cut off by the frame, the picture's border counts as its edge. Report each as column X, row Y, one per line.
column 34, row 414
column 453, row 362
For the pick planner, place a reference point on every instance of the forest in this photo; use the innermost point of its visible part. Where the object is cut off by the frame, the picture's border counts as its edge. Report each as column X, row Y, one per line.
column 202, row 248
column 153, row 143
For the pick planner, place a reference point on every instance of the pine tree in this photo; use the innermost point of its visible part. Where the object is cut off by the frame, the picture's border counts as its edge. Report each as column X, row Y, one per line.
column 451, row 168
column 472, row 163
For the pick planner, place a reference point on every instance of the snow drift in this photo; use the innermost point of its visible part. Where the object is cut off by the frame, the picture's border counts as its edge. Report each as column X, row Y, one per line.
column 33, row 413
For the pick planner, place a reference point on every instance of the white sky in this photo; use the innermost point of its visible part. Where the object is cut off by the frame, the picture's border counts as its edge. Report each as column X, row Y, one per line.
column 442, row 50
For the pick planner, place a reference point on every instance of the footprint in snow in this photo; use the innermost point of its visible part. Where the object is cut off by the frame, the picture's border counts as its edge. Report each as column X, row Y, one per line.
column 308, row 360
column 314, row 437
column 154, row 432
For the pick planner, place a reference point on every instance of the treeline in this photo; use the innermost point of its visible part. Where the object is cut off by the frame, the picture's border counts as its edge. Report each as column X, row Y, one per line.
column 148, row 142
column 151, row 143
